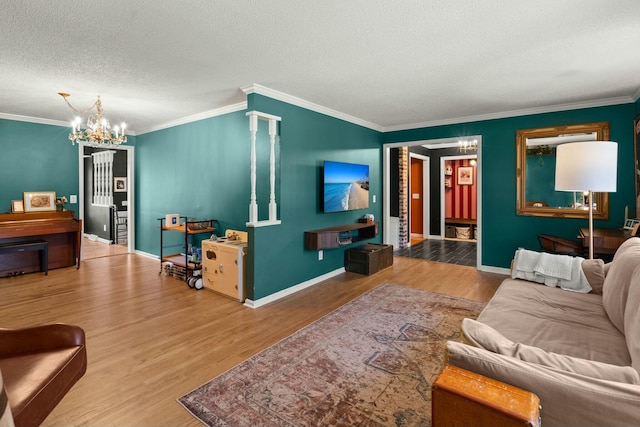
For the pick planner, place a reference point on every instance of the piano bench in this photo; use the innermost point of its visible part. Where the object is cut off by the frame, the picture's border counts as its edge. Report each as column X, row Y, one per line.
column 37, row 245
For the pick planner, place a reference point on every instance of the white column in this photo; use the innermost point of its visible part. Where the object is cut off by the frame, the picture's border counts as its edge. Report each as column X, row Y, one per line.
column 273, row 207
column 253, row 205
column 102, row 177
column 95, row 181
column 254, row 116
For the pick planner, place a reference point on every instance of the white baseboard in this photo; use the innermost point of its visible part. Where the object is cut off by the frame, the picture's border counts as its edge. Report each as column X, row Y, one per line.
column 300, row 286
column 96, row 238
column 497, row 270
column 147, row 255
column 273, row 297
column 292, row 290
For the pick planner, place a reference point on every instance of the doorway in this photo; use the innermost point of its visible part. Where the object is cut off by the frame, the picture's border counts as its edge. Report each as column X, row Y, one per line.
column 418, row 197
column 459, row 208
column 124, row 199
column 395, row 227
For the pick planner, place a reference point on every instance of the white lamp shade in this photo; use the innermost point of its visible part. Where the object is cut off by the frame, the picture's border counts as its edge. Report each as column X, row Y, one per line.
column 587, row 166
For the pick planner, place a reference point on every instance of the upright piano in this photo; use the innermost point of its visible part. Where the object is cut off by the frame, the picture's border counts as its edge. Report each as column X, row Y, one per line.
column 61, row 230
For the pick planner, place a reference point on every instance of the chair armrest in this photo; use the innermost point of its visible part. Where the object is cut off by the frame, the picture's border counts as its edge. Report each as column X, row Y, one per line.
column 35, row 339
column 567, row 399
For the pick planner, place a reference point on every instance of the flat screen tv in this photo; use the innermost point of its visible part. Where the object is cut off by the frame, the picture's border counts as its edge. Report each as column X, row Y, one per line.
column 346, row 186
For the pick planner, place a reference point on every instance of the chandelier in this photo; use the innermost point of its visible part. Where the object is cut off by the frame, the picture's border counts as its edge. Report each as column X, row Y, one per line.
column 466, row 146
column 98, row 131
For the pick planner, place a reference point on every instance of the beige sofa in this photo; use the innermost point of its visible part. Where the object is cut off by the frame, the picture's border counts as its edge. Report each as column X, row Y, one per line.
column 579, row 352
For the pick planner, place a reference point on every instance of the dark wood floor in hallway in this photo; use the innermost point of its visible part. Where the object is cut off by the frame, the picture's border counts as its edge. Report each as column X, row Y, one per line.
column 459, row 252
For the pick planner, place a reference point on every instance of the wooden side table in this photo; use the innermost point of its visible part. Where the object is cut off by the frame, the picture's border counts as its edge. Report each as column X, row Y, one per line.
column 464, row 398
column 605, row 240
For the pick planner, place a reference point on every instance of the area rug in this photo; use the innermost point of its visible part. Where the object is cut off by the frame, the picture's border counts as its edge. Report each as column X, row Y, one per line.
column 371, row 362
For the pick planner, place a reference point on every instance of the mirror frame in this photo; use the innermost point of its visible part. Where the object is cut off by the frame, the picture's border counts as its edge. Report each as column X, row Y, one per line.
column 602, row 199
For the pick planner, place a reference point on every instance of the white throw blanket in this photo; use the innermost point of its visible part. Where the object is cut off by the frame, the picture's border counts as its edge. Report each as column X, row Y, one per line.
column 553, row 270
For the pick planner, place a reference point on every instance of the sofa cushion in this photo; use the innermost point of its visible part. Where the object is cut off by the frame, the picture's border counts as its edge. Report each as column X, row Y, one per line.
column 616, row 285
column 556, row 321
column 593, row 270
column 632, row 319
column 486, row 337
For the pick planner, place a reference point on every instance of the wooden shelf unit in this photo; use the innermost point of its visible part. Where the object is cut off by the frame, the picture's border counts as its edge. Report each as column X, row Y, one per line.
column 456, row 222
column 182, row 260
column 339, row 235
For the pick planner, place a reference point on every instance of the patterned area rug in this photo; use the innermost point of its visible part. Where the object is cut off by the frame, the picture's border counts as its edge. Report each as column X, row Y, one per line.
column 371, row 362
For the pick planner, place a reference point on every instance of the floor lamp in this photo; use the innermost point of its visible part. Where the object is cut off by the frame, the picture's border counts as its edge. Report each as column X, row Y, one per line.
column 587, row 166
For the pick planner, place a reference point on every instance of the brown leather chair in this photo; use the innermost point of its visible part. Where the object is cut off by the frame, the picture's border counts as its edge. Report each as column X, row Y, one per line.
column 6, row 419
column 39, row 366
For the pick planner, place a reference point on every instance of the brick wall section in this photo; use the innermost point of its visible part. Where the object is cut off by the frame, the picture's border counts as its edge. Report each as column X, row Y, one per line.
column 403, row 229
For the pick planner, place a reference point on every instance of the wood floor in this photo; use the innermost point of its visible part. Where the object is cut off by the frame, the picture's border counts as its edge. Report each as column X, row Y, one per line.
column 151, row 339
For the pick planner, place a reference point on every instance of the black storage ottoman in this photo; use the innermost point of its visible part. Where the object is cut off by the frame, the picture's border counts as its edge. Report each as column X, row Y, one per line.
column 368, row 259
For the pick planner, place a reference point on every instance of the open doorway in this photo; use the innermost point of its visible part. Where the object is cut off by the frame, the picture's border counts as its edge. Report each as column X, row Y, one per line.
column 459, row 197
column 398, row 195
column 418, row 197
column 106, row 184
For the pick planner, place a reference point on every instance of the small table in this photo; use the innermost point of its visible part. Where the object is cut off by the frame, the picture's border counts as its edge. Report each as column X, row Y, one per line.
column 605, row 240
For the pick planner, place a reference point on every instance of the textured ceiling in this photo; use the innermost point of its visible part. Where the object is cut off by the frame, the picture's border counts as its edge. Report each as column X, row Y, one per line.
column 391, row 64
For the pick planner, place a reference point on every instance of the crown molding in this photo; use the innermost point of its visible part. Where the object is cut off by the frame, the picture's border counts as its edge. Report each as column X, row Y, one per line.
column 636, row 95
column 514, row 113
column 290, row 99
column 42, row 121
column 299, row 102
column 196, row 117
column 33, row 120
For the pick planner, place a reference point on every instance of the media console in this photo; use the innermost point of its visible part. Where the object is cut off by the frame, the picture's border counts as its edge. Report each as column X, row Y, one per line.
column 339, row 235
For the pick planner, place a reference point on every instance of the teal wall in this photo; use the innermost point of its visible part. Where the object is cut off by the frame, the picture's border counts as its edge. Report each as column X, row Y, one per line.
column 541, row 180
column 199, row 170
column 36, row 157
column 202, row 170
column 502, row 230
column 307, row 139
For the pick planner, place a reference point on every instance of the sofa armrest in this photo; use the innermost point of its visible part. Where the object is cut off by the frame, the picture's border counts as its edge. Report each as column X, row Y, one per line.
column 567, row 399
column 36, row 339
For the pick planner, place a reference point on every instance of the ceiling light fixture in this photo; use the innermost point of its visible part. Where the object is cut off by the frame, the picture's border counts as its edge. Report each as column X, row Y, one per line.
column 466, row 146
column 98, row 131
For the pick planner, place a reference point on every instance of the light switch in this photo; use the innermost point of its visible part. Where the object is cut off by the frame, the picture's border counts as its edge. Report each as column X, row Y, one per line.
column 73, row 198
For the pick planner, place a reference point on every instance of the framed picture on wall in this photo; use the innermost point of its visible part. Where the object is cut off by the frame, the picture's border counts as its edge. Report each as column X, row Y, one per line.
column 465, row 175
column 39, row 201
column 119, row 185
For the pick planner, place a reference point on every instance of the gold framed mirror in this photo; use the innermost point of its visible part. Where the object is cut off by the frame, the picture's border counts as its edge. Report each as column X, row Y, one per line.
column 535, row 172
